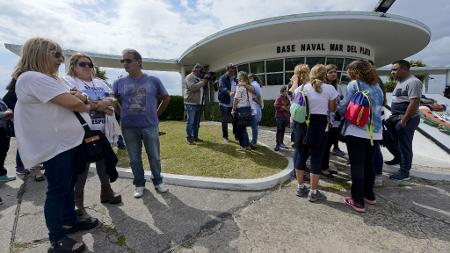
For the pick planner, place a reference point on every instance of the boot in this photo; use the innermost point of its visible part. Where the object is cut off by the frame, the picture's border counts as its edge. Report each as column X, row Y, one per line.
column 79, row 203
column 107, row 195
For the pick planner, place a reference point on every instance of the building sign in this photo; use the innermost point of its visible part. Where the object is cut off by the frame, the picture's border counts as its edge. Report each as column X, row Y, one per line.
column 317, row 47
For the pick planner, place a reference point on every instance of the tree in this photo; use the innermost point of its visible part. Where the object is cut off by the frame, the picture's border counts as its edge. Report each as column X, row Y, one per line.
column 418, row 63
column 100, row 73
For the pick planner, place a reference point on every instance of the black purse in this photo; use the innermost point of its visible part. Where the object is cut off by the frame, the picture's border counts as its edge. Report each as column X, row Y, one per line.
column 244, row 116
column 91, row 148
column 10, row 128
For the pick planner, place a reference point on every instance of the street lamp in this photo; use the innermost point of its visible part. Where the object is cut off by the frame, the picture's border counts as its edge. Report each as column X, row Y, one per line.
column 384, row 5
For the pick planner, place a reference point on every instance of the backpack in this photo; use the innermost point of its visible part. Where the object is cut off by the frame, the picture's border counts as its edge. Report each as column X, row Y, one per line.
column 299, row 107
column 359, row 110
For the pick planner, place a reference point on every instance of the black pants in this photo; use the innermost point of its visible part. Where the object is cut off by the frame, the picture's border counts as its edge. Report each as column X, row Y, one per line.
column 361, row 155
column 311, row 141
column 332, row 138
column 282, row 123
column 4, row 147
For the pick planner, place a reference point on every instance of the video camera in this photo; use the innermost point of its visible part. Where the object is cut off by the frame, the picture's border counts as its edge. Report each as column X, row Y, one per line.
column 210, row 76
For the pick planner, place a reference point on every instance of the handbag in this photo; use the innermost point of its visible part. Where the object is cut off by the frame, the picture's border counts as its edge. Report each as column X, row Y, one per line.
column 244, row 115
column 10, row 128
column 91, row 147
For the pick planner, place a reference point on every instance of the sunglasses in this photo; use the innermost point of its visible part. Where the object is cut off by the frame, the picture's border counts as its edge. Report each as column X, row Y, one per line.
column 126, row 61
column 85, row 64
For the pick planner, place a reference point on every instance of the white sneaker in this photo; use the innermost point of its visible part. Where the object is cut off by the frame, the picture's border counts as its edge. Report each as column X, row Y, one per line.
column 138, row 192
column 161, row 188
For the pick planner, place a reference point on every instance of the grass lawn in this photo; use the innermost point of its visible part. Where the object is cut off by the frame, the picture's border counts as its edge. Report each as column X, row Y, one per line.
column 212, row 157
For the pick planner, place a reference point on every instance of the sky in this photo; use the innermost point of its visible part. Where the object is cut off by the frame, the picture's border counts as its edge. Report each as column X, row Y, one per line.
column 164, row 29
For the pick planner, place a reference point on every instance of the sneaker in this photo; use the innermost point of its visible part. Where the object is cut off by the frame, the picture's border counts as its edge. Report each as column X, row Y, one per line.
column 332, row 171
column 370, row 202
column 379, row 180
column 283, row 146
column 5, row 178
column 393, row 162
column 277, row 148
column 253, row 146
column 22, row 171
column 326, row 173
column 302, row 191
column 161, row 188
column 338, row 152
column 226, row 140
column 190, row 142
column 313, row 197
column 138, row 192
column 399, row 176
column 355, row 206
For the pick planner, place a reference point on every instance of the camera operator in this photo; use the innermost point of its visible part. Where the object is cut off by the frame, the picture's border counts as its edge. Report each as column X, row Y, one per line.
column 195, row 84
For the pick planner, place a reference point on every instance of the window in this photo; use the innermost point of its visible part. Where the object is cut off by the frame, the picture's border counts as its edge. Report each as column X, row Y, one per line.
column 274, row 66
column 243, row 67
column 262, row 79
column 311, row 61
column 290, row 63
column 347, row 62
column 275, row 79
column 345, row 79
column 257, row 67
column 339, row 62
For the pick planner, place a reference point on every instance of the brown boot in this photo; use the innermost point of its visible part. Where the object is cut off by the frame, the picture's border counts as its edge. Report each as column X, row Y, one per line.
column 79, row 203
column 107, row 195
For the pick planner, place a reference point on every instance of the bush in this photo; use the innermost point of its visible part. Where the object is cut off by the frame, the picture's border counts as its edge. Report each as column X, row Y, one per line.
column 389, row 86
column 175, row 109
column 212, row 113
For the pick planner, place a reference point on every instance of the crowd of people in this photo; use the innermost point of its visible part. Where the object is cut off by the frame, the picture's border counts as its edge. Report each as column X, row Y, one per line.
column 43, row 108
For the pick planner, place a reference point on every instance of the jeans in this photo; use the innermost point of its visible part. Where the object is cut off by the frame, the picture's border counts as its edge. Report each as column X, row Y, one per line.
column 4, row 147
column 226, row 114
column 256, row 119
column 402, row 146
column 59, row 208
column 19, row 163
column 134, row 137
column 360, row 153
column 193, row 120
column 241, row 133
column 378, row 159
column 282, row 123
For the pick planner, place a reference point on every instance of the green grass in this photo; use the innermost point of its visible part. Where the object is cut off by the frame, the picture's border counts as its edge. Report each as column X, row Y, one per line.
column 212, row 157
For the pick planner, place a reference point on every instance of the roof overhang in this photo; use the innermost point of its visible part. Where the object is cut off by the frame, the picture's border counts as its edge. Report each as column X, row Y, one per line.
column 418, row 71
column 392, row 37
column 113, row 61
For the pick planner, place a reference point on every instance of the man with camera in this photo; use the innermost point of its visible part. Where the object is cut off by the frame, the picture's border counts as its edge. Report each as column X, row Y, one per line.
column 194, row 90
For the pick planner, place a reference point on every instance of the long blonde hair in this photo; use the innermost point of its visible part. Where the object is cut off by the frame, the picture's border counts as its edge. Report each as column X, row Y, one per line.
column 244, row 76
column 35, row 57
column 301, row 71
column 318, row 76
column 73, row 62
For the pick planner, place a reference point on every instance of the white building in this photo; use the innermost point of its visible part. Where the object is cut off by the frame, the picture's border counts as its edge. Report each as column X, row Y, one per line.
column 272, row 47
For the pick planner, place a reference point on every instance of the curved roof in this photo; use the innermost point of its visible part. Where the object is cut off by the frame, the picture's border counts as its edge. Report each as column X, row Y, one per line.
column 392, row 37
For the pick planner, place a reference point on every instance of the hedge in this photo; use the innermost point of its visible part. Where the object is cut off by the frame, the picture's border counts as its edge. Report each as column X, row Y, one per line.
column 175, row 111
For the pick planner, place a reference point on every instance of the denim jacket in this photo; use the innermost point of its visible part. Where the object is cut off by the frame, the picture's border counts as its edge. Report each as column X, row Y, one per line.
column 375, row 93
column 225, row 86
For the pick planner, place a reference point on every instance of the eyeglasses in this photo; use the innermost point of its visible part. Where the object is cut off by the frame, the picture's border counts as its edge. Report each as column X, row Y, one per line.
column 85, row 64
column 126, row 61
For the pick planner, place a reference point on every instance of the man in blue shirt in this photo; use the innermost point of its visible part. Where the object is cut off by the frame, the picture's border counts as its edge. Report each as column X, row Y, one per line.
column 227, row 86
column 138, row 95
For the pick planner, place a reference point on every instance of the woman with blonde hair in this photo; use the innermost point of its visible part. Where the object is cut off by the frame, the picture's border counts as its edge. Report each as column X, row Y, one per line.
column 242, row 106
column 44, row 117
column 321, row 99
column 359, row 138
column 81, row 75
column 301, row 76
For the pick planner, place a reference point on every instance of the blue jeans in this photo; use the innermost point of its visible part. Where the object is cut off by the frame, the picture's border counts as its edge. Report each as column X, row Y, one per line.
column 402, row 147
column 134, row 137
column 226, row 114
column 378, row 159
column 59, row 208
column 256, row 119
column 193, row 120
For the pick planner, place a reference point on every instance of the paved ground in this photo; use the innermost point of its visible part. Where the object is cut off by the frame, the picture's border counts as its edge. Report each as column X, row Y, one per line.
column 409, row 217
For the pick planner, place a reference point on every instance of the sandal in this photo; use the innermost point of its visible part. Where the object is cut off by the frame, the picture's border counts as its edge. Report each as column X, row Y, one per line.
column 81, row 225
column 66, row 245
column 39, row 179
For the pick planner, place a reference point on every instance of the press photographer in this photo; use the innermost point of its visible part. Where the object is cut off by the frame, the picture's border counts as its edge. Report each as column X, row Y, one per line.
column 194, row 98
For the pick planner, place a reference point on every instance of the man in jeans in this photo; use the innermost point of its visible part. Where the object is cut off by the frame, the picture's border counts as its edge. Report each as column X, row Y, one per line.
column 193, row 101
column 404, row 106
column 227, row 87
column 138, row 94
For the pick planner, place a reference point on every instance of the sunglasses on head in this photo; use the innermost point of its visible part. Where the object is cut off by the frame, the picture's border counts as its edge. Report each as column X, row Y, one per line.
column 126, row 61
column 85, row 64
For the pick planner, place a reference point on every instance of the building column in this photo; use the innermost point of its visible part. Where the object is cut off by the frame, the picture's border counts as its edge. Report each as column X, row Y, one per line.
column 447, row 78
column 183, row 76
column 425, row 82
